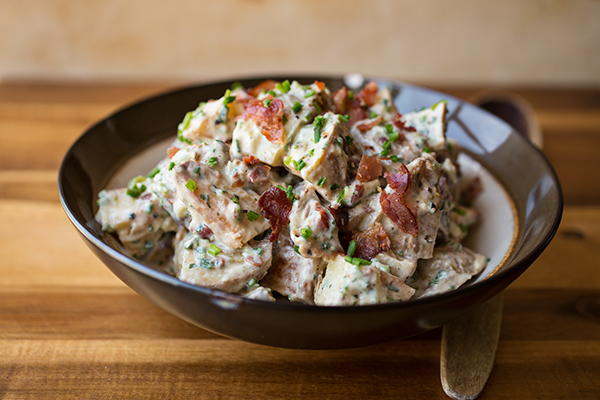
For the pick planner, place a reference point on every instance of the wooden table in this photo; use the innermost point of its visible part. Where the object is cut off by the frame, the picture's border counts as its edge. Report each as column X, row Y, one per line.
column 69, row 329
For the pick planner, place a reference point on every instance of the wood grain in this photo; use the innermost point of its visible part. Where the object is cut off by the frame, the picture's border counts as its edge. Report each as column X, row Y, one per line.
column 69, row 329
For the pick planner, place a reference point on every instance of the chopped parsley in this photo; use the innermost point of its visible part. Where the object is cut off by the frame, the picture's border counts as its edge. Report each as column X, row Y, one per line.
column 297, row 107
column 351, row 248
column 212, row 161
column 252, row 216
column 284, row 86
column 318, row 127
column 321, row 181
column 153, row 173
column 306, row 233
column 213, row 250
column 191, row 184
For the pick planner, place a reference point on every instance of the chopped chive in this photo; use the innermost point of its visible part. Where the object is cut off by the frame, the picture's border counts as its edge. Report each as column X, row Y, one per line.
column 389, row 129
column 318, row 126
column 287, row 160
column 252, row 216
column 309, row 93
column 349, row 139
column 387, row 146
column 350, row 94
column 183, row 139
column 321, row 181
column 334, row 186
column 212, row 161
column 228, row 98
column 395, row 158
column 289, row 191
column 297, row 107
column 434, row 105
column 236, row 85
column 344, row 118
column 191, row 184
column 153, row 173
column 171, row 165
column 427, row 150
column 340, row 196
column 297, row 249
column 299, row 164
column 351, row 248
column 357, row 261
column 373, row 114
column 213, row 250
column 235, row 198
column 267, row 102
column 272, row 93
column 306, row 233
column 283, row 87
column 136, row 187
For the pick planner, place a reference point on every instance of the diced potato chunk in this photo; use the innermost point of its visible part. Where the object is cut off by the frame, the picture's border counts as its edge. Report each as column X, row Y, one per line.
column 430, row 122
column 450, row 267
column 203, row 263
column 249, row 140
column 347, row 284
column 312, row 226
column 317, row 155
column 291, row 274
column 138, row 222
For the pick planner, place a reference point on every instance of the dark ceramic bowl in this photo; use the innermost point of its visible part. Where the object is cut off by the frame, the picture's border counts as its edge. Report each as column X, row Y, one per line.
column 520, row 167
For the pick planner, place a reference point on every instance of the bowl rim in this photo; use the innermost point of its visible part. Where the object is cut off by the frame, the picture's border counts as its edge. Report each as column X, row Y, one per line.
column 239, row 300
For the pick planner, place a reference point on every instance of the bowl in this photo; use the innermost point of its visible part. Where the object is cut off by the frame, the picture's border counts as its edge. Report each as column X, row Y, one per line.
column 522, row 212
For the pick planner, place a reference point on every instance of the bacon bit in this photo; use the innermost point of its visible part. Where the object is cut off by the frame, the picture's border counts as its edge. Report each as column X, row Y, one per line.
column 368, row 125
column 368, row 169
column 259, row 173
column 171, row 151
column 394, row 205
column 372, row 242
column 358, row 192
column 237, row 183
column 320, row 85
column 262, row 87
column 275, row 206
column 250, row 160
column 341, row 101
column 205, row 232
column 356, row 112
column 324, row 217
column 399, row 181
column 269, row 119
column 401, row 125
column 368, row 94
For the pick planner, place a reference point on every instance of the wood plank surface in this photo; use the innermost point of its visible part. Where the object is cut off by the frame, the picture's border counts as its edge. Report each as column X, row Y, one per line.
column 69, row 329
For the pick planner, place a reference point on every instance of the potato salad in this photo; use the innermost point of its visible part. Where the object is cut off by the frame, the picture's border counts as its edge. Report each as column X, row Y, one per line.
column 295, row 191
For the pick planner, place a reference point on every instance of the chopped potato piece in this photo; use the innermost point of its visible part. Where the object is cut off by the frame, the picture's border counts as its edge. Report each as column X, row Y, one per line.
column 203, row 263
column 430, row 122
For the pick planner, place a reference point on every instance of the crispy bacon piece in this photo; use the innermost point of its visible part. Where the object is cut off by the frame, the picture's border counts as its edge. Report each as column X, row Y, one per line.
column 371, row 242
column 262, row 87
column 320, row 85
column 368, row 94
column 324, row 217
column 368, row 125
column 275, row 206
column 259, row 173
column 401, row 125
column 171, row 151
column 394, row 205
column 368, row 169
column 250, row 160
column 353, row 107
column 341, row 100
column 269, row 119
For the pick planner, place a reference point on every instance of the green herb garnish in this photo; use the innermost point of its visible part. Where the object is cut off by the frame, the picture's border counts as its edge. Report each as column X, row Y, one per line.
column 252, row 216
column 191, row 184
column 212, row 161
column 318, row 126
column 267, row 102
column 306, row 233
column 297, row 107
column 228, row 98
column 171, row 165
column 213, row 250
column 283, row 87
column 153, row 173
column 351, row 248
column 321, row 181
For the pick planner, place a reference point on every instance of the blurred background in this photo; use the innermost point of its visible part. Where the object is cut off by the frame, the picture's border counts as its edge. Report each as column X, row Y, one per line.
column 467, row 42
